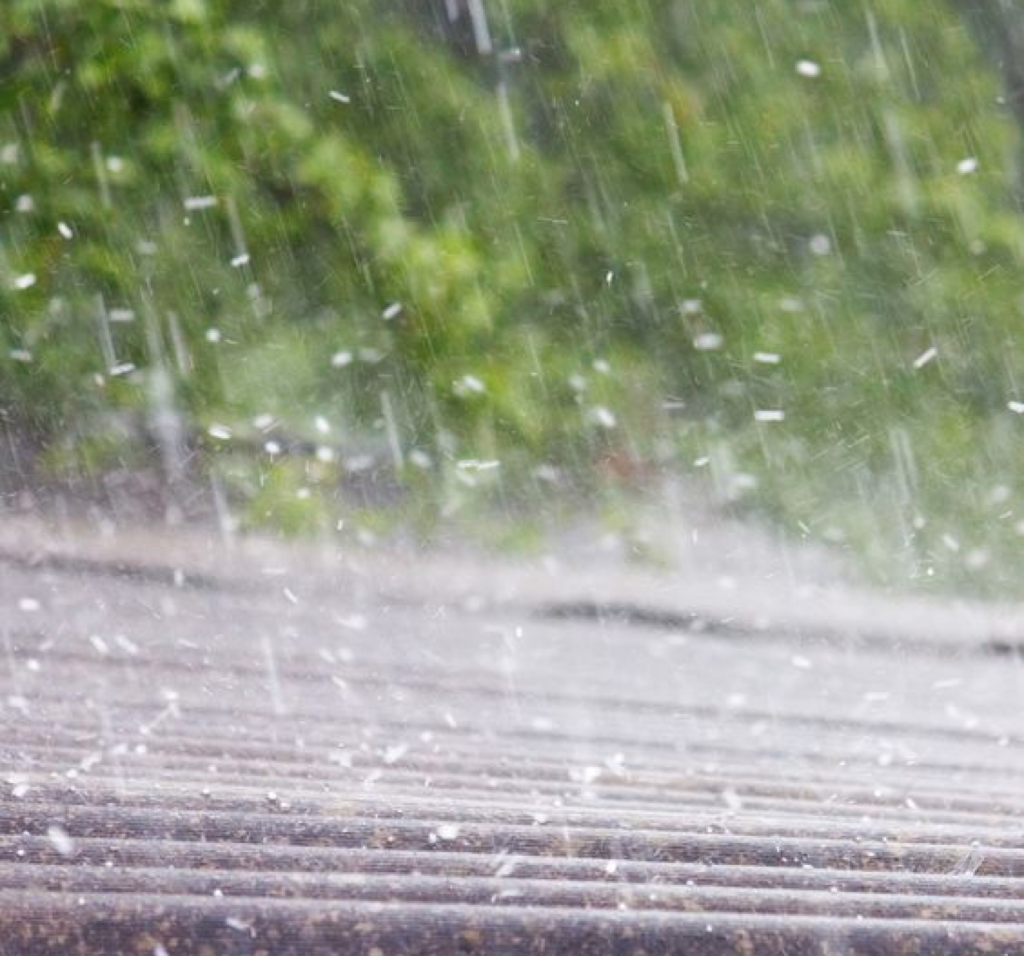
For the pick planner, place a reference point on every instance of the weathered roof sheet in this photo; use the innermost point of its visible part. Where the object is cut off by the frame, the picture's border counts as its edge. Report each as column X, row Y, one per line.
column 265, row 761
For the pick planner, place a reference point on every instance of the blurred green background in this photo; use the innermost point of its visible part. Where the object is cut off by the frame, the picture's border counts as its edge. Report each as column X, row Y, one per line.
column 494, row 253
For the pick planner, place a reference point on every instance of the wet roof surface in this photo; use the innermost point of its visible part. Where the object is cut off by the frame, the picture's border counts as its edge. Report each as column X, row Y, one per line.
column 281, row 764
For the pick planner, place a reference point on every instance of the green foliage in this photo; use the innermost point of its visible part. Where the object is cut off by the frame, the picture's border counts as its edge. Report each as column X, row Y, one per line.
column 327, row 209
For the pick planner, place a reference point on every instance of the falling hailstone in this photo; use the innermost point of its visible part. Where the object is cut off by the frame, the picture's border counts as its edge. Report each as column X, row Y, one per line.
column 925, row 357
column 808, row 68
column 732, row 799
column 707, row 342
column 468, row 384
column 967, row 166
column 60, row 840
column 820, row 244
column 194, row 203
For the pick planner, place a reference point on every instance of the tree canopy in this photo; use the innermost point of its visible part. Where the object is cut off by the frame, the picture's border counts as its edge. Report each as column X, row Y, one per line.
column 774, row 242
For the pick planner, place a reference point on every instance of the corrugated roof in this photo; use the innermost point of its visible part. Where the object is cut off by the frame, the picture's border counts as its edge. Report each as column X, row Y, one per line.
column 299, row 764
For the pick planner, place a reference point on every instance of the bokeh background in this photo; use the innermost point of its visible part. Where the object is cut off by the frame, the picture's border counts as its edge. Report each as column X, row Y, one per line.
column 349, row 266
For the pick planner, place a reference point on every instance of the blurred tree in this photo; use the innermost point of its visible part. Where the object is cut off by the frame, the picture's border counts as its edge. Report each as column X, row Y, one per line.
column 563, row 233
column 999, row 26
